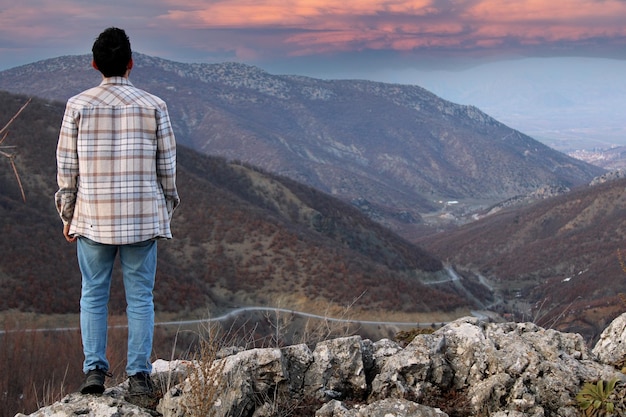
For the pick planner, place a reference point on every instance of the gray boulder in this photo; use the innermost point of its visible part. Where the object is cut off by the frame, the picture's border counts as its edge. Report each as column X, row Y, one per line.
column 517, row 367
column 471, row 367
column 382, row 408
column 111, row 404
column 611, row 347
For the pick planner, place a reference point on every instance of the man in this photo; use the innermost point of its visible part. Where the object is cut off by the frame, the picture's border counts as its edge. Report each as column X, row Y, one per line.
column 116, row 171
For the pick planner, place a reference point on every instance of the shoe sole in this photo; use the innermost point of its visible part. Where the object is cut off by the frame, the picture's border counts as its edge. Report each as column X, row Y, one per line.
column 92, row 389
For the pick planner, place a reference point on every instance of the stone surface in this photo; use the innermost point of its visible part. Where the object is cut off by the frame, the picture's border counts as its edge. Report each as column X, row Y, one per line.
column 110, row 404
column 468, row 367
column 611, row 347
column 337, row 370
column 393, row 407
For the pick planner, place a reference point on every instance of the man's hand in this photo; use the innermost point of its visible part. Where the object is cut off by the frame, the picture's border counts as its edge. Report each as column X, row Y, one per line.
column 66, row 233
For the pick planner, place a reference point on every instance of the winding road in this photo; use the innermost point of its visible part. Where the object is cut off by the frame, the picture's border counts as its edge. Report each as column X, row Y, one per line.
column 234, row 313
column 453, row 277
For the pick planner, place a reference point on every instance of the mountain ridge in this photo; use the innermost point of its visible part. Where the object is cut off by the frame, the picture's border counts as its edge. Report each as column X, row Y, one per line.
column 242, row 236
column 400, row 148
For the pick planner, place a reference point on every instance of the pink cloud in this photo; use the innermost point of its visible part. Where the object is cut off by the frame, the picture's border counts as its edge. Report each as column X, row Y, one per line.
column 532, row 11
column 563, row 20
column 318, row 26
column 247, row 29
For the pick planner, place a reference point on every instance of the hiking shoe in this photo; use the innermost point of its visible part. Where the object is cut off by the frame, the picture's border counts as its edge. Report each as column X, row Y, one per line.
column 94, row 382
column 140, row 384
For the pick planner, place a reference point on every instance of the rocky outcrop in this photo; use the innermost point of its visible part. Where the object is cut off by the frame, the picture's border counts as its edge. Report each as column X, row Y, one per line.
column 466, row 368
column 611, row 348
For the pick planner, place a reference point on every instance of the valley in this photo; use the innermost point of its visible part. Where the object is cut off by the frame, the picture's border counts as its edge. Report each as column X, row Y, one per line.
column 396, row 150
column 311, row 209
column 307, row 193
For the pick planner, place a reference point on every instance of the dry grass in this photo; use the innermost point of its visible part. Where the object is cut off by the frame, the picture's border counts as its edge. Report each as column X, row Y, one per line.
column 51, row 390
column 316, row 331
column 38, row 368
column 205, row 376
column 41, row 367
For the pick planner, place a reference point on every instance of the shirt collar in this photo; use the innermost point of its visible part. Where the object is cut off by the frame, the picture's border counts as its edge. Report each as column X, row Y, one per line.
column 115, row 80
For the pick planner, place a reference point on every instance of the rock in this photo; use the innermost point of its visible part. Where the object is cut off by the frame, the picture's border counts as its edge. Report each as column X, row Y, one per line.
column 468, row 367
column 384, row 408
column 333, row 408
column 231, row 386
column 298, row 360
column 110, row 404
column 611, row 347
column 398, row 408
column 337, row 371
column 412, row 373
column 496, row 367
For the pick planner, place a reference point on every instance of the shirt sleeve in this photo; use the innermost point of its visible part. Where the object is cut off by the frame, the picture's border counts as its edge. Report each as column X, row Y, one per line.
column 67, row 166
column 166, row 159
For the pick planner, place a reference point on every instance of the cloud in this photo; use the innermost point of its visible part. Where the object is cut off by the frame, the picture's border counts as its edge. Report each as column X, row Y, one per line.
column 203, row 30
column 44, row 22
column 324, row 26
column 549, row 21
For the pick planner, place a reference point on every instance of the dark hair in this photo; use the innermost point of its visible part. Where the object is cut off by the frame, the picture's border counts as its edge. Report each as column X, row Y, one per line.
column 111, row 52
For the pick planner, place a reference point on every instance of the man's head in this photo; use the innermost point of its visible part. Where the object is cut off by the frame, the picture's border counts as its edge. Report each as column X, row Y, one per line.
column 111, row 53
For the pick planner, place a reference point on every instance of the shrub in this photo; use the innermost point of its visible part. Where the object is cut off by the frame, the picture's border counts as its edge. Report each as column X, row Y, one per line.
column 206, row 379
column 596, row 399
column 405, row 337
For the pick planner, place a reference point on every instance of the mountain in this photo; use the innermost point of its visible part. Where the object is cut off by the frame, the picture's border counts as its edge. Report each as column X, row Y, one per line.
column 242, row 237
column 397, row 151
column 558, row 262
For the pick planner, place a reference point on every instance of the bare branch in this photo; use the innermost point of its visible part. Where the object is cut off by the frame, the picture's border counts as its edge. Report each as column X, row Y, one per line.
column 11, row 156
column 19, row 182
column 13, row 118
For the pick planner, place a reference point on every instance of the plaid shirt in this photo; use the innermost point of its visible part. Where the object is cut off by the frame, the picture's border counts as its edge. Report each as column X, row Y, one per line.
column 116, row 165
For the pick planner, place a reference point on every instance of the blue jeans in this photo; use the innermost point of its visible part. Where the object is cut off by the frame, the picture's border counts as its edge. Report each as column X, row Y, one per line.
column 138, row 269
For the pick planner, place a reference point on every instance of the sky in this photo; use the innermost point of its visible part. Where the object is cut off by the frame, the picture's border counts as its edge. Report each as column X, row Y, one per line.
column 309, row 36
column 450, row 47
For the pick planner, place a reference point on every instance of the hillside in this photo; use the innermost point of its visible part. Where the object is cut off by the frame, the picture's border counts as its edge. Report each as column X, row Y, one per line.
column 398, row 152
column 555, row 261
column 242, row 237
